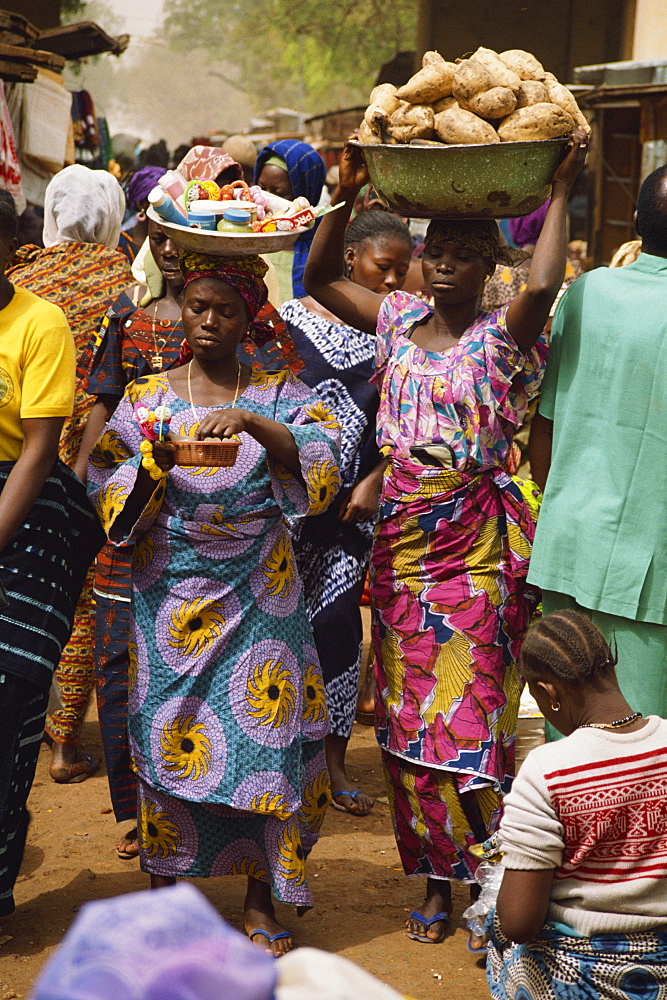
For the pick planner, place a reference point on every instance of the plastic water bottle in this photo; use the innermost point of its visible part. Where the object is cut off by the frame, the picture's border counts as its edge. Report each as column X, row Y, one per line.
column 166, row 207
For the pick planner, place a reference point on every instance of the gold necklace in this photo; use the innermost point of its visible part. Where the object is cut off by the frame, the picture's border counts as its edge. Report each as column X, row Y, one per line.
column 192, row 405
column 159, row 345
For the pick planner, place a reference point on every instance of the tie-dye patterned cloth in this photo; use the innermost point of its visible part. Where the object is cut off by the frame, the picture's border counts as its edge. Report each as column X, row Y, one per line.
column 226, row 699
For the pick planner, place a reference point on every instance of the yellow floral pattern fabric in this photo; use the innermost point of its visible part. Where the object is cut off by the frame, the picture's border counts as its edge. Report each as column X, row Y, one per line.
column 226, row 699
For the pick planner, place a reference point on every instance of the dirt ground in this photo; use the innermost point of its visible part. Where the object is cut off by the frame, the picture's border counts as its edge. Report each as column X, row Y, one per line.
column 361, row 895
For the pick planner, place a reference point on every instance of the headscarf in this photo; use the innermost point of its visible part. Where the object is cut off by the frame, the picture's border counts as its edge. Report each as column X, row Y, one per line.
column 145, row 945
column 245, row 274
column 527, row 229
column 83, row 206
column 268, row 345
column 206, row 162
column 479, row 235
column 306, row 172
column 141, row 184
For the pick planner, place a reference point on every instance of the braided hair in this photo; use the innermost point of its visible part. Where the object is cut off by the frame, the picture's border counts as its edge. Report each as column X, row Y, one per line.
column 375, row 225
column 567, row 645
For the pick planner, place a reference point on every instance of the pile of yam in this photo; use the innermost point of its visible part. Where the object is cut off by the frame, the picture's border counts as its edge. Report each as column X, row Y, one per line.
column 487, row 97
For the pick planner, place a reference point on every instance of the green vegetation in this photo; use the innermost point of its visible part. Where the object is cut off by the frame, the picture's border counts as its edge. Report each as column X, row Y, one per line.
column 309, row 54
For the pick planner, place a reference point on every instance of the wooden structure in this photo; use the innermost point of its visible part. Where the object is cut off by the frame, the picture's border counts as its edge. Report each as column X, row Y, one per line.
column 328, row 132
column 627, row 106
column 20, row 55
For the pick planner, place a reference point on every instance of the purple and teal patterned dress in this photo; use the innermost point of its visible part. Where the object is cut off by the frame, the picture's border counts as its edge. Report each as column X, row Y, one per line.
column 227, row 710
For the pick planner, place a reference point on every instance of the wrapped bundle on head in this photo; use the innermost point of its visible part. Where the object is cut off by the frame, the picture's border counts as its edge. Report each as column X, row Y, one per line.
column 141, row 184
column 479, row 235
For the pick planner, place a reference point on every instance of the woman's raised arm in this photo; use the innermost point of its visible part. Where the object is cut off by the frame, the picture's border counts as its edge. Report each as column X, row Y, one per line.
column 529, row 311
column 324, row 277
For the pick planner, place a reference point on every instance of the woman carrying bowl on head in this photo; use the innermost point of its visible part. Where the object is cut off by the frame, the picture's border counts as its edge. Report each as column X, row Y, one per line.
column 226, row 699
column 140, row 335
column 332, row 549
column 450, row 556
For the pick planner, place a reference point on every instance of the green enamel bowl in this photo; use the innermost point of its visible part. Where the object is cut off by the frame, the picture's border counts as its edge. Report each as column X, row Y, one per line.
column 500, row 180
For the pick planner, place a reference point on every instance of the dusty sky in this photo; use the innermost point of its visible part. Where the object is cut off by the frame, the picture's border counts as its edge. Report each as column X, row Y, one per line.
column 152, row 95
column 139, row 17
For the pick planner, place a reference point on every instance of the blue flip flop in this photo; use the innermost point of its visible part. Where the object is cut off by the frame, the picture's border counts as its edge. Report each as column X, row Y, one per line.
column 351, row 795
column 479, row 952
column 276, row 937
column 416, row 915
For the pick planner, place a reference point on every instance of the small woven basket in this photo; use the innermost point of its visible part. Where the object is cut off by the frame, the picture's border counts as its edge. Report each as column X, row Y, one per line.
column 220, row 454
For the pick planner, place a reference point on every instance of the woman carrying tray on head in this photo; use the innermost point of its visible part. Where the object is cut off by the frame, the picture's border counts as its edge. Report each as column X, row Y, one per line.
column 450, row 557
column 141, row 334
column 226, row 706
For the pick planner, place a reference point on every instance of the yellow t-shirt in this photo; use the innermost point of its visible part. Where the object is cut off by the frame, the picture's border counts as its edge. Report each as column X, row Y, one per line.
column 37, row 367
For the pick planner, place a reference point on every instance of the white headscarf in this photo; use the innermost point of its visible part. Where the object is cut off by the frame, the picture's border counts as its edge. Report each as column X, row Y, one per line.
column 83, row 206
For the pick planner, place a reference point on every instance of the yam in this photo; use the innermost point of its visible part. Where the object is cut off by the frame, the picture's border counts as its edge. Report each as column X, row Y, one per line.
column 564, row 98
column 525, row 65
column 444, row 104
column 470, row 79
column 495, row 103
column 374, row 125
column 366, row 135
column 430, row 83
column 414, row 122
column 432, row 58
column 455, row 125
column 540, row 121
column 531, row 92
column 385, row 97
column 502, row 74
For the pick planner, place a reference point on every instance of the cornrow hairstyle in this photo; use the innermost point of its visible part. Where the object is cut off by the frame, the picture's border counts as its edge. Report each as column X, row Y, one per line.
column 375, row 224
column 9, row 220
column 567, row 645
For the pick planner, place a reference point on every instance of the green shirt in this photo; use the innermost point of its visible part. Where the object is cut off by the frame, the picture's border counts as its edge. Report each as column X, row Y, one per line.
column 602, row 532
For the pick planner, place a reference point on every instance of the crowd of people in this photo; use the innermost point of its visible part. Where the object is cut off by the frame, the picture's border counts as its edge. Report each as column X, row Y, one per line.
column 215, row 610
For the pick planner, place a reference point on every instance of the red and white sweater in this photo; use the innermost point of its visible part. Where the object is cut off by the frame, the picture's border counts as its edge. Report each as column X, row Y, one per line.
column 594, row 807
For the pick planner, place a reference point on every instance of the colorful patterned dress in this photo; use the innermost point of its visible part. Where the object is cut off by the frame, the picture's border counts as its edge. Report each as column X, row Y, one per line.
column 226, row 705
column 332, row 557
column 448, row 582
column 123, row 349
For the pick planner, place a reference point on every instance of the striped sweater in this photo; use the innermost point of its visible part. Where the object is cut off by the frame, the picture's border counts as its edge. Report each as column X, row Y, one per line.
column 594, row 807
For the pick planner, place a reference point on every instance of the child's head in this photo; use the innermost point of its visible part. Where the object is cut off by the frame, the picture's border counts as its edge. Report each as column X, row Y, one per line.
column 566, row 661
column 567, row 645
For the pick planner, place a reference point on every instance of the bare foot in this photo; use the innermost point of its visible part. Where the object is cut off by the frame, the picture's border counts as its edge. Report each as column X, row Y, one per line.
column 342, row 789
column 260, row 922
column 438, row 900
column 365, row 714
column 127, row 847
column 69, row 765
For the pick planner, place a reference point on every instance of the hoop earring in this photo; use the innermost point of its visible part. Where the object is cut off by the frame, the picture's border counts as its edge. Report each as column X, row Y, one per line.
column 556, row 707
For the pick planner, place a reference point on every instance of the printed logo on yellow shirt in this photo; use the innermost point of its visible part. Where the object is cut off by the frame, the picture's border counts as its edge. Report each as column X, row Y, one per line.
column 6, row 387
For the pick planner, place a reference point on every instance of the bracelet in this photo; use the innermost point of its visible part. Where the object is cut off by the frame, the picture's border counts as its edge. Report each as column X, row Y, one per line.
column 148, row 462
